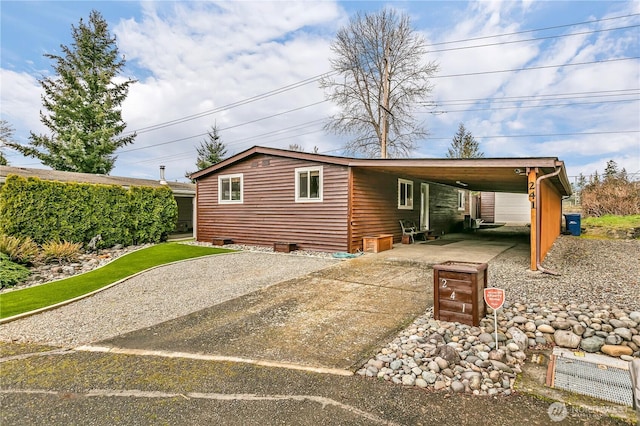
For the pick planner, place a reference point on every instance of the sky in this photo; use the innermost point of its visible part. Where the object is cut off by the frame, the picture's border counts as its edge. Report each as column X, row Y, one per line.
column 526, row 78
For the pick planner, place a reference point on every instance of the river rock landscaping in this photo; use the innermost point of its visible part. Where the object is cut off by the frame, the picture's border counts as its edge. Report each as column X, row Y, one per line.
column 573, row 310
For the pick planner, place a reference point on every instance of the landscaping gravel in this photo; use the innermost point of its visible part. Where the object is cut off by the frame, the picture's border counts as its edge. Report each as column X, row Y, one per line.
column 159, row 295
column 593, row 306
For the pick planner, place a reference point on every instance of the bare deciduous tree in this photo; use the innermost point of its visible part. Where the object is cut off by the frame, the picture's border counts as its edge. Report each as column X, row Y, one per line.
column 382, row 75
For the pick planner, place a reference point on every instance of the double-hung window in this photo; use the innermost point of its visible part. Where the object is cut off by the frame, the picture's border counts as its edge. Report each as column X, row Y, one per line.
column 405, row 194
column 308, row 184
column 230, row 189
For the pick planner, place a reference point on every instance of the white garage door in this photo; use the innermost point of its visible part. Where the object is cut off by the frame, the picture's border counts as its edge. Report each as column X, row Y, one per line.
column 512, row 208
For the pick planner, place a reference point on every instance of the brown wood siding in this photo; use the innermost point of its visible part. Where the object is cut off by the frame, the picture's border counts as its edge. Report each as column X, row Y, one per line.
column 374, row 211
column 551, row 205
column 488, row 206
column 444, row 216
column 269, row 212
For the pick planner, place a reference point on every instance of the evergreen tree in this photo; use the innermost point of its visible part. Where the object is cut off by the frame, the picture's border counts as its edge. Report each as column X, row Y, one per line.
column 83, row 103
column 211, row 150
column 464, row 145
column 6, row 137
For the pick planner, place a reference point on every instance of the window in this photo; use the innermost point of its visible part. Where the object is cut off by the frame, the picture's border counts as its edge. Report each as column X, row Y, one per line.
column 230, row 189
column 405, row 194
column 461, row 199
column 308, row 184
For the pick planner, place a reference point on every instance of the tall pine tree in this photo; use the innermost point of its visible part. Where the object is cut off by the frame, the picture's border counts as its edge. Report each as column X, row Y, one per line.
column 83, row 103
column 211, row 150
column 464, row 145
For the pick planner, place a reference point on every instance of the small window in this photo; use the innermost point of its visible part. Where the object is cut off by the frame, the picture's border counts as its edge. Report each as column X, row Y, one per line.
column 308, row 184
column 405, row 194
column 461, row 199
column 230, row 189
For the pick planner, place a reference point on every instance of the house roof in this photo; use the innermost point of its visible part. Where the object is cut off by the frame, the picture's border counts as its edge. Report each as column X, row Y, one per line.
column 178, row 188
column 477, row 174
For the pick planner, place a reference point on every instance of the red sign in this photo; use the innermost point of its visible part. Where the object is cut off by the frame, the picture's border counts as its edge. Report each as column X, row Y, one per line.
column 494, row 297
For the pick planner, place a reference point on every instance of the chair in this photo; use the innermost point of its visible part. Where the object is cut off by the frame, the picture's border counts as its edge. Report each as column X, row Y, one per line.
column 409, row 228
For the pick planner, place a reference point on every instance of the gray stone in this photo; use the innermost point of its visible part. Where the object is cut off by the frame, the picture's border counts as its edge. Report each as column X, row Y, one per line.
column 501, row 366
column 441, row 363
column 486, row 338
column 588, row 332
column 579, row 329
column 566, row 339
column 519, row 319
column 457, row 387
column 592, row 344
column 429, row 376
column 471, row 359
column 513, row 347
column 395, row 365
column 616, row 323
column 417, row 371
column 608, row 328
column 497, row 355
column 628, row 358
column 560, row 325
column 613, row 339
column 483, row 355
column 634, row 316
column 408, row 380
column 519, row 338
column 623, row 332
column 530, row 327
column 636, row 339
column 433, row 366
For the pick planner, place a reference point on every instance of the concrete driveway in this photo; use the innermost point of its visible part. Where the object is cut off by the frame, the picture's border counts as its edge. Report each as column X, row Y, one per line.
column 334, row 318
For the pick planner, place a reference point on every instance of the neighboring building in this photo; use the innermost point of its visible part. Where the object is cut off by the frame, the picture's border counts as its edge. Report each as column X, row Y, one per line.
column 265, row 195
column 184, row 193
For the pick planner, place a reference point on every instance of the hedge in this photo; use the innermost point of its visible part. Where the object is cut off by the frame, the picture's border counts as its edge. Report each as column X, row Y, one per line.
column 76, row 212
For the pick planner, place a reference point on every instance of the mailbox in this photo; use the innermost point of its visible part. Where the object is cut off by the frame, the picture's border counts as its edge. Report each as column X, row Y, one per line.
column 458, row 289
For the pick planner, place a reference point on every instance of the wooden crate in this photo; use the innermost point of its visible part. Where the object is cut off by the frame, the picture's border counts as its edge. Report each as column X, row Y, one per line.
column 458, row 292
column 376, row 244
column 284, row 247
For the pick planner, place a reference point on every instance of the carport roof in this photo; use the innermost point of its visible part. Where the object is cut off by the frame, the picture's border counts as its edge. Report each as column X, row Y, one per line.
column 476, row 174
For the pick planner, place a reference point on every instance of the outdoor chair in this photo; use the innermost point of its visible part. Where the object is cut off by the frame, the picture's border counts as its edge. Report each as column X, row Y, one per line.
column 409, row 228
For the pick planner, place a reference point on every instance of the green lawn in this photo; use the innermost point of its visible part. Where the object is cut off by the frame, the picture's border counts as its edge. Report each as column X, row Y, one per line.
column 611, row 221
column 29, row 299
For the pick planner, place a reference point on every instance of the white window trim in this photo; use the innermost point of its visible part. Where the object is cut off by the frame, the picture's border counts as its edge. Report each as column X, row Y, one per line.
column 220, row 178
column 406, row 182
column 461, row 199
column 320, row 186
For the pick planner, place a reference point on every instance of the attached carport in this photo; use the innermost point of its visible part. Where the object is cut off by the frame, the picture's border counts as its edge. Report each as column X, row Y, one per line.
column 544, row 179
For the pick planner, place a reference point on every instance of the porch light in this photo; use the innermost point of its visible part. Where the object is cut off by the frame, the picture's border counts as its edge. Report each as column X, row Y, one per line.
column 461, row 183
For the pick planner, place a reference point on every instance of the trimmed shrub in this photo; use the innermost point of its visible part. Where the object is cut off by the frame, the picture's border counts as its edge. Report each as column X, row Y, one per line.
column 60, row 251
column 11, row 273
column 76, row 212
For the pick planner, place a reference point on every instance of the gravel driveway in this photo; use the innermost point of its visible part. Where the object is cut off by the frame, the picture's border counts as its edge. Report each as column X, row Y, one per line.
column 160, row 295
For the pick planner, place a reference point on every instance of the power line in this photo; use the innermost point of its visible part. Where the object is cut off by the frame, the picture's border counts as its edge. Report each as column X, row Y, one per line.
column 536, row 68
column 532, row 39
column 594, row 21
column 545, row 135
column 530, row 106
column 327, row 74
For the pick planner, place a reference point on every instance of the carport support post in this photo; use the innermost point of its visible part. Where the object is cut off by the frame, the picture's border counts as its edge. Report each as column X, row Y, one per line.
column 531, row 190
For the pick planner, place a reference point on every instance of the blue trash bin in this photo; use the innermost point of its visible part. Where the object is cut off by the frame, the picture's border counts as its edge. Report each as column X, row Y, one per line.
column 573, row 224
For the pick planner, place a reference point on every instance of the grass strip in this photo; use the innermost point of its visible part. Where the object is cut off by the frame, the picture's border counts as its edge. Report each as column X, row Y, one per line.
column 29, row 299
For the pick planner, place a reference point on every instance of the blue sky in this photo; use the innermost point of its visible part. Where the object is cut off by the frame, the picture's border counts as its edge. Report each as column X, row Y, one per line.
column 578, row 97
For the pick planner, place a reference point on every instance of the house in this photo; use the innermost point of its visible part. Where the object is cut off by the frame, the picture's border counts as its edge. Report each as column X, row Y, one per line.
column 265, row 195
column 184, row 193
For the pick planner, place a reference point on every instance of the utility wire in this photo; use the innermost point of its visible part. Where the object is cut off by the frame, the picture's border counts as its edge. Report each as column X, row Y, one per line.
column 594, row 21
column 531, row 39
column 327, row 74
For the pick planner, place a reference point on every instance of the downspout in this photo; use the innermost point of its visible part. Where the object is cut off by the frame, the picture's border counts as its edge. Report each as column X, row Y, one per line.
column 539, row 221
